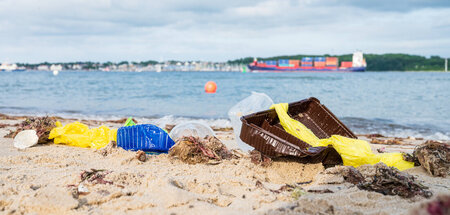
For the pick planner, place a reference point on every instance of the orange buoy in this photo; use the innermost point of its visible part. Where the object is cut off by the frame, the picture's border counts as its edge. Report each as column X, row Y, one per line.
column 210, row 87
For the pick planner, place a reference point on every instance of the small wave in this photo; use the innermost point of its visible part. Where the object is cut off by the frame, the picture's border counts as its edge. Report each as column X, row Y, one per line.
column 392, row 129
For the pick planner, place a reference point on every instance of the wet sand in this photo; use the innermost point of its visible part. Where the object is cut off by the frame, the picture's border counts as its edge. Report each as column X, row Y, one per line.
column 41, row 180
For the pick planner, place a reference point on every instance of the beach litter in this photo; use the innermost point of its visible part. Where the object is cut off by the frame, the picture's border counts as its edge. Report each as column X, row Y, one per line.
column 353, row 152
column 42, row 126
column 79, row 134
column 194, row 129
column 434, row 156
column 25, row 139
column 193, row 150
column 254, row 103
column 145, row 137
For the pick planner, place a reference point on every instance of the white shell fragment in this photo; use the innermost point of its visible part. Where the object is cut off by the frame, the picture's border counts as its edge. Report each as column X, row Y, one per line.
column 25, row 139
column 82, row 189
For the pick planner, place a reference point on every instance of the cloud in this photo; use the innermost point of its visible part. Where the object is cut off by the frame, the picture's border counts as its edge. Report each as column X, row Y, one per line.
column 102, row 30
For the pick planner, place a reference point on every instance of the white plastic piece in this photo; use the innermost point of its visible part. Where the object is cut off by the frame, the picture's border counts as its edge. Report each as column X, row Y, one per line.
column 25, row 139
column 55, row 72
column 195, row 129
column 254, row 103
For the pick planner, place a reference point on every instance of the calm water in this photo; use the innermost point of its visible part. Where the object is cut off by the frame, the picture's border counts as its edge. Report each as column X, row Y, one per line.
column 391, row 103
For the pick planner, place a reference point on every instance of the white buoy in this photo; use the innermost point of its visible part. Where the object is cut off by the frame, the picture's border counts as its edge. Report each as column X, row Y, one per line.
column 25, row 139
column 55, row 72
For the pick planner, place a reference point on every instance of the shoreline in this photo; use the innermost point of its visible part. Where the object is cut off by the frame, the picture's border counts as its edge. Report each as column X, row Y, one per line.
column 40, row 180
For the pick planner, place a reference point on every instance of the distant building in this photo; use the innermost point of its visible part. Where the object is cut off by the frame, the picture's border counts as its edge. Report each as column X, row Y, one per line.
column 57, row 67
column 77, row 67
column 43, row 67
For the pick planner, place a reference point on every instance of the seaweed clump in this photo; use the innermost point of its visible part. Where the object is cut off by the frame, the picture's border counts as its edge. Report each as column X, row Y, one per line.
column 434, row 157
column 193, row 150
column 387, row 181
column 42, row 126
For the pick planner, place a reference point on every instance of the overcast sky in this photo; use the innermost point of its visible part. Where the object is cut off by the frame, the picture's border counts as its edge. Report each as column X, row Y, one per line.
column 135, row 30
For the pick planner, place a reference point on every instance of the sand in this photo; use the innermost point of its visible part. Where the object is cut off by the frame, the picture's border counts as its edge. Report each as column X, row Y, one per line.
column 41, row 180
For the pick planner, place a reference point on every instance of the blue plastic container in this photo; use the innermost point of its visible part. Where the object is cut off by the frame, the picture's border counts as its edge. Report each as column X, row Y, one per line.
column 145, row 137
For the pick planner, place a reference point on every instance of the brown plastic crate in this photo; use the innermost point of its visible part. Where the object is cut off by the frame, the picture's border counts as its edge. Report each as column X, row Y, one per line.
column 263, row 131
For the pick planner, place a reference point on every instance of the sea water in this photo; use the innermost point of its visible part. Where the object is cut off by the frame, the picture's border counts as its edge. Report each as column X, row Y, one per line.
column 391, row 103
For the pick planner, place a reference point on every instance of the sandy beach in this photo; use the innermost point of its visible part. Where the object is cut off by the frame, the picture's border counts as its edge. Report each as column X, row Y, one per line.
column 42, row 179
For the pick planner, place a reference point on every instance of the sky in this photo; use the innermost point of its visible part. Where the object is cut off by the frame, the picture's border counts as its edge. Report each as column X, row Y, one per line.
column 137, row 30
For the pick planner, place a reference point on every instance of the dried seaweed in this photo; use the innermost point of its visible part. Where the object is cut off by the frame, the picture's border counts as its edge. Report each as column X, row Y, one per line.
column 284, row 188
column 259, row 159
column 386, row 142
column 411, row 158
column 352, row 175
column 388, row 181
column 320, row 191
column 42, row 126
column 195, row 150
column 434, row 156
column 95, row 176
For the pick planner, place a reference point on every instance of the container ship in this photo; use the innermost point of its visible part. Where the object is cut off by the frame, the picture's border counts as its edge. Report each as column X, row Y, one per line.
column 311, row 64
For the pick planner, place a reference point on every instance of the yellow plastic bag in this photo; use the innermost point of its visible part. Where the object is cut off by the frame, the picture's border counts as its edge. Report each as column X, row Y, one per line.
column 354, row 152
column 79, row 134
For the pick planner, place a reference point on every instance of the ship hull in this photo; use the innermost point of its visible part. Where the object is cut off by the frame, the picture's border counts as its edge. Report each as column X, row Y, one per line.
column 300, row 69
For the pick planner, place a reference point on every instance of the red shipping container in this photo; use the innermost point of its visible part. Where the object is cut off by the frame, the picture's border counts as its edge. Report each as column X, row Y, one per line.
column 331, row 61
column 346, row 64
column 294, row 62
column 319, row 64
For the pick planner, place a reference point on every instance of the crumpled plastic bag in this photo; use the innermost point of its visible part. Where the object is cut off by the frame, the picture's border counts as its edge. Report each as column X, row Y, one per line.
column 254, row 103
column 79, row 134
column 354, row 152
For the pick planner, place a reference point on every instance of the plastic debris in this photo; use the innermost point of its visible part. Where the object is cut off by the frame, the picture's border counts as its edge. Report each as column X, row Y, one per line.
column 145, row 137
column 130, row 122
column 193, row 150
column 42, row 126
column 354, row 152
column 193, row 129
column 25, row 139
column 434, row 157
column 254, row 103
column 79, row 134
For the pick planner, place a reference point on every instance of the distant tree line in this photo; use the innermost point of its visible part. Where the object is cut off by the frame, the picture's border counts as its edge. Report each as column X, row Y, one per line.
column 375, row 62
